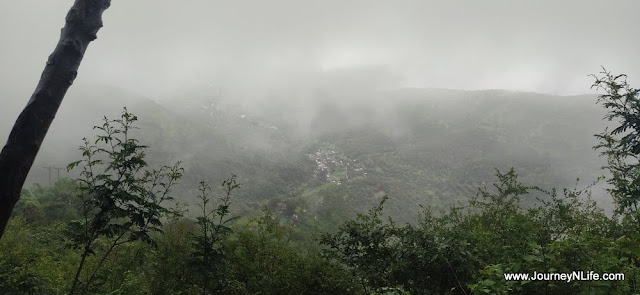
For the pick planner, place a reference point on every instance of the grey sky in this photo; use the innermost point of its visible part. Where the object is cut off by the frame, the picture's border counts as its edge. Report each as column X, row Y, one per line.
column 162, row 48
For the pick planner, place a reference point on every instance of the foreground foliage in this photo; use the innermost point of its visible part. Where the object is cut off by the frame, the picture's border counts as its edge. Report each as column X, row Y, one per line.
column 468, row 249
column 465, row 250
column 120, row 201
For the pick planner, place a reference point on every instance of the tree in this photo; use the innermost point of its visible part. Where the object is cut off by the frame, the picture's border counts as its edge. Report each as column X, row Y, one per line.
column 208, row 258
column 83, row 21
column 622, row 144
column 368, row 246
column 121, row 200
column 266, row 258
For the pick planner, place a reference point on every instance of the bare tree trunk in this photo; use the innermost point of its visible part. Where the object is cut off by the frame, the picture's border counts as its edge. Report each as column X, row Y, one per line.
column 82, row 24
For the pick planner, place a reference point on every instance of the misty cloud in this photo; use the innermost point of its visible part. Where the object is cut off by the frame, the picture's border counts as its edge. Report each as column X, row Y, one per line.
column 161, row 48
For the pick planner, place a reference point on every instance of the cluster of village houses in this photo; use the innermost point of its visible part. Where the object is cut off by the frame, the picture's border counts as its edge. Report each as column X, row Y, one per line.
column 329, row 164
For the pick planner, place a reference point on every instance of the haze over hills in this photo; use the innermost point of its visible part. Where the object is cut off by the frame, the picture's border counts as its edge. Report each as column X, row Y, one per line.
column 382, row 147
column 420, row 146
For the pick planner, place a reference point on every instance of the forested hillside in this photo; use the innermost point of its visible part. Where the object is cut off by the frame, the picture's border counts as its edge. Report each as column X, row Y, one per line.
column 444, row 217
column 319, row 147
column 421, row 146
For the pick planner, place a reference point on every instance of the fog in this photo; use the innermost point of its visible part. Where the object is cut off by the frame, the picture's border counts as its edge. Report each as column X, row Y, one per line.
column 296, row 57
column 161, row 48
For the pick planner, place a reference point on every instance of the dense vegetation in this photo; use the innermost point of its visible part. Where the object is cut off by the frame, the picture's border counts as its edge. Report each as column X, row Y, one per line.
column 115, row 230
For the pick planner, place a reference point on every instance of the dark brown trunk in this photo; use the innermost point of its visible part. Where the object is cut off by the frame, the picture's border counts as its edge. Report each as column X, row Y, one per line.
column 76, row 279
column 82, row 24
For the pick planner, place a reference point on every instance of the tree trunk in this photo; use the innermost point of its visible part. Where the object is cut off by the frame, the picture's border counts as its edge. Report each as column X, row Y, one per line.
column 82, row 24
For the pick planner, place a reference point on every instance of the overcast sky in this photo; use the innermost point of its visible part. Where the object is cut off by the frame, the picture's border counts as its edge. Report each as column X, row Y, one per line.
column 162, row 48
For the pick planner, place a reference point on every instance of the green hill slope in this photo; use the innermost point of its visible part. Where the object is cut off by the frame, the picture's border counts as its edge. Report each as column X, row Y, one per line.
column 420, row 146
